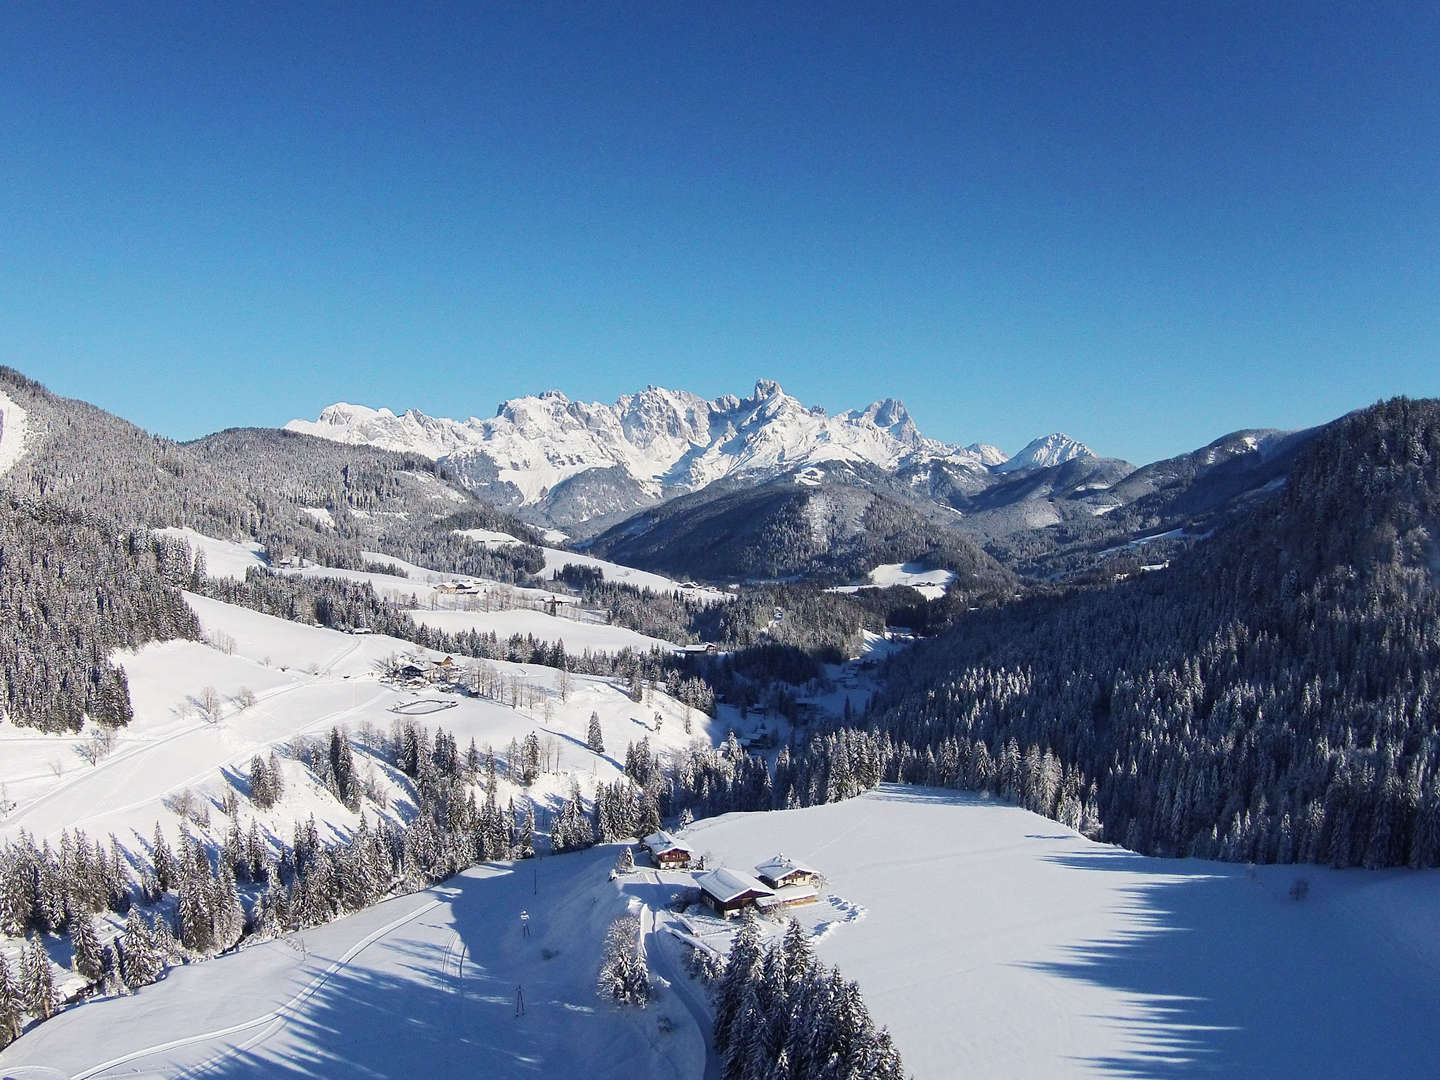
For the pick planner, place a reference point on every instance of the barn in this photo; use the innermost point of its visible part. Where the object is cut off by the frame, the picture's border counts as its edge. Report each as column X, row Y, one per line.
column 730, row 891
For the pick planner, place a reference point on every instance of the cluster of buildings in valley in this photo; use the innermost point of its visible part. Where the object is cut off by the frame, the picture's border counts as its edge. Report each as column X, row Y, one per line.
column 778, row 882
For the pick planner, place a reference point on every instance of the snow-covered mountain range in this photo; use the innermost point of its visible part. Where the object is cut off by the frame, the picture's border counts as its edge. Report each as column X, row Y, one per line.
column 575, row 461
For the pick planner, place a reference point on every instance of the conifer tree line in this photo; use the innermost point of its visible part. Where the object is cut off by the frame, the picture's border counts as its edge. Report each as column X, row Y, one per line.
column 1268, row 698
column 73, row 591
column 781, row 1015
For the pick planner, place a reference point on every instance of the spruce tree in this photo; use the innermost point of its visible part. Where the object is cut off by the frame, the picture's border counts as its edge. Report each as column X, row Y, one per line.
column 12, row 1004
column 89, row 961
column 38, row 980
column 595, row 739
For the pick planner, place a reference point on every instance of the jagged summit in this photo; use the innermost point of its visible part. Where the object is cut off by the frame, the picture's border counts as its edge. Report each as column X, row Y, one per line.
column 579, row 461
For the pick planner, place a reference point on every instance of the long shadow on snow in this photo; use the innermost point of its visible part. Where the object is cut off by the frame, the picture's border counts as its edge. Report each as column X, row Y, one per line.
column 438, row 997
column 1236, row 979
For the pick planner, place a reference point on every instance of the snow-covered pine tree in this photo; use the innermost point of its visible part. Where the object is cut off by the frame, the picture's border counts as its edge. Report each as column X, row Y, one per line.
column 740, row 968
column 624, row 975
column 140, row 963
column 89, row 961
column 12, row 1004
column 38, row 980
column 594, row 738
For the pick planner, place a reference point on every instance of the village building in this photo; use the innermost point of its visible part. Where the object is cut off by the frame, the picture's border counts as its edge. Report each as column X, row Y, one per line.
column 729, row 892
column 667, row 852
column 780, row 872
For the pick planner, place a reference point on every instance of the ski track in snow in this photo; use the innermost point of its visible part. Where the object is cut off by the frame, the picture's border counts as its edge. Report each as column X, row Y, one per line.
column 271, row 1021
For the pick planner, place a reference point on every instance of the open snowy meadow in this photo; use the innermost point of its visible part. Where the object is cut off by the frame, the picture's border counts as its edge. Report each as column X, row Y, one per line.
column 991, row 941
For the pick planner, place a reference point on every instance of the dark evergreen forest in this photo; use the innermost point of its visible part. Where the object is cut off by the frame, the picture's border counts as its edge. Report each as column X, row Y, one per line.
column 1269, row 697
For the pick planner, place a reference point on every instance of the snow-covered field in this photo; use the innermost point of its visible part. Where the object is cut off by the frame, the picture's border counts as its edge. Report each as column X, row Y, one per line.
column 305, row 679
column 929, row 583
column 424, row 985
column 996, row 943
column 991, row 941
column 577, row 636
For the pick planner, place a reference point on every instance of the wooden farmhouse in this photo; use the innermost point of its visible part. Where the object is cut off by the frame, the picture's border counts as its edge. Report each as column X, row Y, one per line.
column 667, row 852
column 780, row 872
column 729, row 892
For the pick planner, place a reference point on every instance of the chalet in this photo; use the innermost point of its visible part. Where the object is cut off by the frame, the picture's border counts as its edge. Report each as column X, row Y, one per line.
column 730, row 891
column 780, row 872
column 666, row 851
column 443, row 670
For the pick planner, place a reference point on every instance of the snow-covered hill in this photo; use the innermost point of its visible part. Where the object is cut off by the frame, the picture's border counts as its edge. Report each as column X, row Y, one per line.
column 576, row 461
column 1046, row 452
column 991, row 941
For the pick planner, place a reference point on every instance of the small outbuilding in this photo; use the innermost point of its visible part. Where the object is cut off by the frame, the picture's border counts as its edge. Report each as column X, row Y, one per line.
column 780, row 871
column 667, row 852
column 729, row 892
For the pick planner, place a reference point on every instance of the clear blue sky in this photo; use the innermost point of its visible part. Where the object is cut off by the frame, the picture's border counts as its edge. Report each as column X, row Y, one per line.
column 1145, row 224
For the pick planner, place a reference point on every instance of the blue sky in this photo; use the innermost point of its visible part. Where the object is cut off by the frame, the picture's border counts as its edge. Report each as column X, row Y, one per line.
column 1144, row 224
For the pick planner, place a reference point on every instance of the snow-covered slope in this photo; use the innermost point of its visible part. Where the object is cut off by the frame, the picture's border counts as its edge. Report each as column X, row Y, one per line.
column 645, row 446
column 994, row 942
column 1046, row 452
column 425, row 985
column 13, row 425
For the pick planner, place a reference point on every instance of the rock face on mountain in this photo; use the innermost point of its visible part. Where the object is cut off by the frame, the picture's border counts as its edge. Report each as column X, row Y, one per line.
column 574, row 463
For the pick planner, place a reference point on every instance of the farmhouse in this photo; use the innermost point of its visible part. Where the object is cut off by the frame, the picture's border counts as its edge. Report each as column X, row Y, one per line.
column 780, row 871
column 729, row 891
column 666, row 851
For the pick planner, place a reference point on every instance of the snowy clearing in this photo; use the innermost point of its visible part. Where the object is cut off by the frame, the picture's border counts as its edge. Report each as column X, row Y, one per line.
column 929, row 583
column 13, row 427
column 995, row 942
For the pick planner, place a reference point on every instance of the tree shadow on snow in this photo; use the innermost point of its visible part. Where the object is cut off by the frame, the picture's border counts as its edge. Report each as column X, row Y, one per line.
column 1231, row 977
column 439, row 997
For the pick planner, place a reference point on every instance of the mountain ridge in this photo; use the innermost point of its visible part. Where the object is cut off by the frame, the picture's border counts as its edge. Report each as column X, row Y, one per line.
column 544, row 451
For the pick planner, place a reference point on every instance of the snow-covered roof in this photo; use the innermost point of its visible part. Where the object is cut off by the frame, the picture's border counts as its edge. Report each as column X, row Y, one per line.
column 663, row 841
column 726, row 884
column 780, row 866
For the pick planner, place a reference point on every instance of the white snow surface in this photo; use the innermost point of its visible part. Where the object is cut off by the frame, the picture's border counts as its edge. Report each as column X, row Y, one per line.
column 223, row 558
column 991, row 942
column 14, row 426
column 307, row 679
column 929, row 583
column 994, row 942
column 664, row 439
column 422, row 985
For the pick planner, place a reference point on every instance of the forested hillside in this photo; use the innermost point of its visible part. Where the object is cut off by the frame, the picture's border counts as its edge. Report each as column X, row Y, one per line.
column 1267, row 698
column 81, row 574
column 834, row 531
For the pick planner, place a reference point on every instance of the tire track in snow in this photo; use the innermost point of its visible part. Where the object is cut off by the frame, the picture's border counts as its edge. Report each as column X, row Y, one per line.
column 269, row 1022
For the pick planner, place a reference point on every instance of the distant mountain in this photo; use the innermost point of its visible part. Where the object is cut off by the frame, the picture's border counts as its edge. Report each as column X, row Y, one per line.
column 586, row 465
column 1046, row 452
